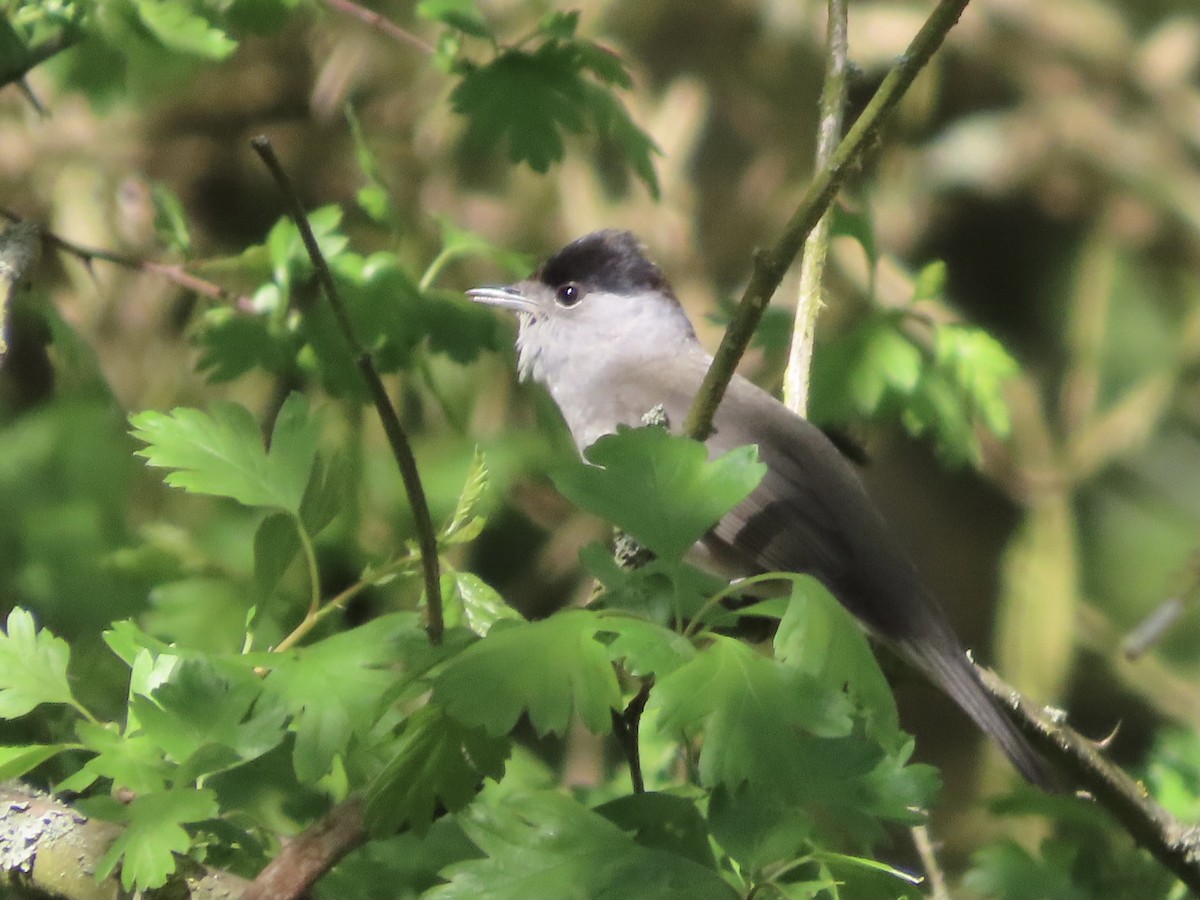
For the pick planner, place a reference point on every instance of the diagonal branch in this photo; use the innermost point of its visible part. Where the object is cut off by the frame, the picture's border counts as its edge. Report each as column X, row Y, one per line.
column 771, row 265
column 1174, row 844
column 401, row 449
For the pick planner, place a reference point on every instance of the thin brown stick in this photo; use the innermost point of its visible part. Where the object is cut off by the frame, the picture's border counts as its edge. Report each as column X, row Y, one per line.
column 401, row 448
column 172, row 272
column 381, row 24
column 771, row 265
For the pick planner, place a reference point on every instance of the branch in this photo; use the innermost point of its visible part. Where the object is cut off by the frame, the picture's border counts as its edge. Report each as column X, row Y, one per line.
column 771, row 265
column 306, row 858
column 47, row 845
column 1175, row 845
column 812, row 262
column 381, row 24
column 174, row 273
column 401, row 449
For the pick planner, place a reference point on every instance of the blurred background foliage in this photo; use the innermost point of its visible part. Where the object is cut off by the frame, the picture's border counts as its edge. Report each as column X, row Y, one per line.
column 1050, row 156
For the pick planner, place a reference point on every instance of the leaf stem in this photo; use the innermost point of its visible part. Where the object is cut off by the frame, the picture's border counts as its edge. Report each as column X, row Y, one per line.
column 401, row 449
column 729, row 590
column 310, row 560
column 434, row 269
column 315, row 615
column 771, row 265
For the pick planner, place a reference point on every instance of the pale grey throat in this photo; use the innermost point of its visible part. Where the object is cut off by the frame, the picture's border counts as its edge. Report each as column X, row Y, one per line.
column 602, row 330
column 582, row 354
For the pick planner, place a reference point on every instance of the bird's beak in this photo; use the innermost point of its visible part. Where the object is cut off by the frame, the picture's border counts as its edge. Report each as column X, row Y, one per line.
column 509, row 297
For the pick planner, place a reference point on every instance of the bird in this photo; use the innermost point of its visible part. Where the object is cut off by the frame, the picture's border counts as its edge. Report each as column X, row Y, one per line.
column 600, row 327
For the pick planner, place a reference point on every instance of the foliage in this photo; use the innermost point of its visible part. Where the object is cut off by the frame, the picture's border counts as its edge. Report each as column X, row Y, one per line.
column 215, row 627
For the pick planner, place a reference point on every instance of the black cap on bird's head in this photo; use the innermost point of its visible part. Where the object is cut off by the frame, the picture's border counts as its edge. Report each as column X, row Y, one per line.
column 596, row 293
column 610, row 261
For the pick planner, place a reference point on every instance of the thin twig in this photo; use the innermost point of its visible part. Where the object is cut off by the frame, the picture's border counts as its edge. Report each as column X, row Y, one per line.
column 933, row 870
column 771, row 265
column 401, row 449
column 381, row 24
column 1174, row 844
column 172, row 272
column 812, row 261
column 627, row 727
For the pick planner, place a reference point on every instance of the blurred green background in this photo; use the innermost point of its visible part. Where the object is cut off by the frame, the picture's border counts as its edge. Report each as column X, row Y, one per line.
column 1050, row 155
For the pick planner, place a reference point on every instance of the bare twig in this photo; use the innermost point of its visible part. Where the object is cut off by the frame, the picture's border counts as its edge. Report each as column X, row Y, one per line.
column 626, row 728
column 933, row 871
column 1175, row 845
column 771, row 265
column 172, row 272
column 306, row 858
column 381, row 24
column 812, row 261
column 401, row 449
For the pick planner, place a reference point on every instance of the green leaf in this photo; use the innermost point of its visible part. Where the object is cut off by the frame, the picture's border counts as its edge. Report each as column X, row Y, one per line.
column 154, row 834
column 170, row 221
column 559, row 24
column 528, row 100
column 276, row 544
column 290, row 264
column 458, row 242
column 18, row 761
column 438, row 765
column 646, row 648
column 547, row 669
column 858, row 225
column 461, row 14
column 335, row 689
column 820, row 638
column 978, row 365
column 548, row 845
column 468, row 500
column 178, row 28
column 133, row 762
column 482, row 606
column 233, row 343
column 33, row 667
column 326, row 493
column 222, row 453
column 206, row 614
column 663, row 822
column 522, row 100
column 930, row 283
column 205, row 708
column 754, row 713
column 659, row 488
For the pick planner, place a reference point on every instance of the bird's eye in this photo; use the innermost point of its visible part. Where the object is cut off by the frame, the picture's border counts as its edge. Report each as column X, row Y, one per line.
column 568, row 294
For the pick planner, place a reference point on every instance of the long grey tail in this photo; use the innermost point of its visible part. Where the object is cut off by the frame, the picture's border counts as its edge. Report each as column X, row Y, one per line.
column 956, row 674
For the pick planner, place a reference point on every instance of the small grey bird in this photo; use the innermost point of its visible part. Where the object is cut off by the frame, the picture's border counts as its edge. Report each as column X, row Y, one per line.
column 602, row 330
